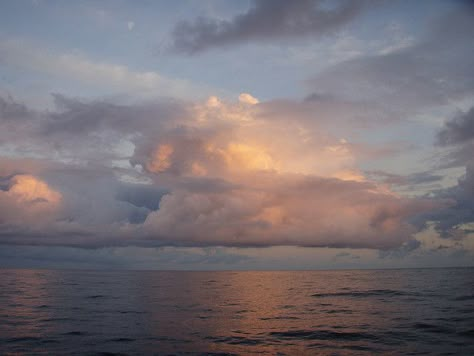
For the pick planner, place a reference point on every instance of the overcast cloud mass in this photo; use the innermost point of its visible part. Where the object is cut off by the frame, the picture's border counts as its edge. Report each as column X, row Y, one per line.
column 274, row 134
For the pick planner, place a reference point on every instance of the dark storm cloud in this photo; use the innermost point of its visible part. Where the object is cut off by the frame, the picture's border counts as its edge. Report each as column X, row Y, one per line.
column 266, row 20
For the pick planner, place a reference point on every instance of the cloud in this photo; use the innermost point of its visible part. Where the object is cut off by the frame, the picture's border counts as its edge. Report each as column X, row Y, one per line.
column 457, row 135
column 28, row 200
column 130, row 258
column 431, row 72
column 458, row 130
column 290, row 191
column 426, row 177
column 11, row 110
column 212, row 173
column 298, row 211
column 22, row 55
column 265, row 20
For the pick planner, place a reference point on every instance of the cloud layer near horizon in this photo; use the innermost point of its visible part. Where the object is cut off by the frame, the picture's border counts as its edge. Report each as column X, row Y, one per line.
column 198, row 173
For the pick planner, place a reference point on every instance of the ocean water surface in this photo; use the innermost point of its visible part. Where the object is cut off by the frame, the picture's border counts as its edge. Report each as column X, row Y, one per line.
column 364, row 312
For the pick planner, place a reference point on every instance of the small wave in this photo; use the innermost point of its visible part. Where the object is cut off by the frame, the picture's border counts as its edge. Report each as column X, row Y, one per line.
column 345, row 347
column 339, row 311
column 431, row 328
column 235, row 340
column 131, row 312
column 168, row 339
column 464, row 297
column 23, row 339
column 122, row 339
column 362, row 294
column 97, row 296
column 322, row 335
column 50, row 320
column 468, row 333
column 74, row 333
column 281, row 318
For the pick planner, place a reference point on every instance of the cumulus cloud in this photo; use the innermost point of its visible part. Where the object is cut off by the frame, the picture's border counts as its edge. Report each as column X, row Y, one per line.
column 200, row 174
column 297, row 210
column 26, row 199
column 265, row 20
column 297, row 190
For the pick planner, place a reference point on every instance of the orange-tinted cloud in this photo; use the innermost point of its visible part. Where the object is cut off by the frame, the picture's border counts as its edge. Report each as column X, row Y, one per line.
column 28, row 200
column 290, row 184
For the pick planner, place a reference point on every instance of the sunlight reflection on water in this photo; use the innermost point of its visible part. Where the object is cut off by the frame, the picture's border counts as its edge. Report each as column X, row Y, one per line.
column 323, row 312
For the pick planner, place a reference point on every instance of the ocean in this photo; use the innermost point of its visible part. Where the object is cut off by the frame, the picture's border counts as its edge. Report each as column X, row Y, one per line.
column 349, row 312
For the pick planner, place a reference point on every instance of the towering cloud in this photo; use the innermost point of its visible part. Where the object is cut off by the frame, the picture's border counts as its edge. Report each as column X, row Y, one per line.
column 203, row 173
column 277, row 185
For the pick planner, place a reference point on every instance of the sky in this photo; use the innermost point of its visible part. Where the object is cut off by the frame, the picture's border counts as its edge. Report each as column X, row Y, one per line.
column 203, row 135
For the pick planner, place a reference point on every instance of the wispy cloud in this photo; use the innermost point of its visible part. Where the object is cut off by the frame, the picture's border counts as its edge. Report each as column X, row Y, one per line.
column 71, row 65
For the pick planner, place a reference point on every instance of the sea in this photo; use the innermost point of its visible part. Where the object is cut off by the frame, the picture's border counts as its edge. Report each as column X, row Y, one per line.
column 346, row 312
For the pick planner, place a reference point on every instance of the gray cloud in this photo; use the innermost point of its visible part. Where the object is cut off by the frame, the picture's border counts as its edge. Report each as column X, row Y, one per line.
column 137, row 258
column 266, row 20
column 431, row 72
column 406, row 180
column 458, row 130
column 11, row 110
column 461, row 210
column 458, row 136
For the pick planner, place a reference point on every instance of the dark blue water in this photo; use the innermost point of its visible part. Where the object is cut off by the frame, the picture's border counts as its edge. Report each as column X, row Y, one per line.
column 409, row 312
